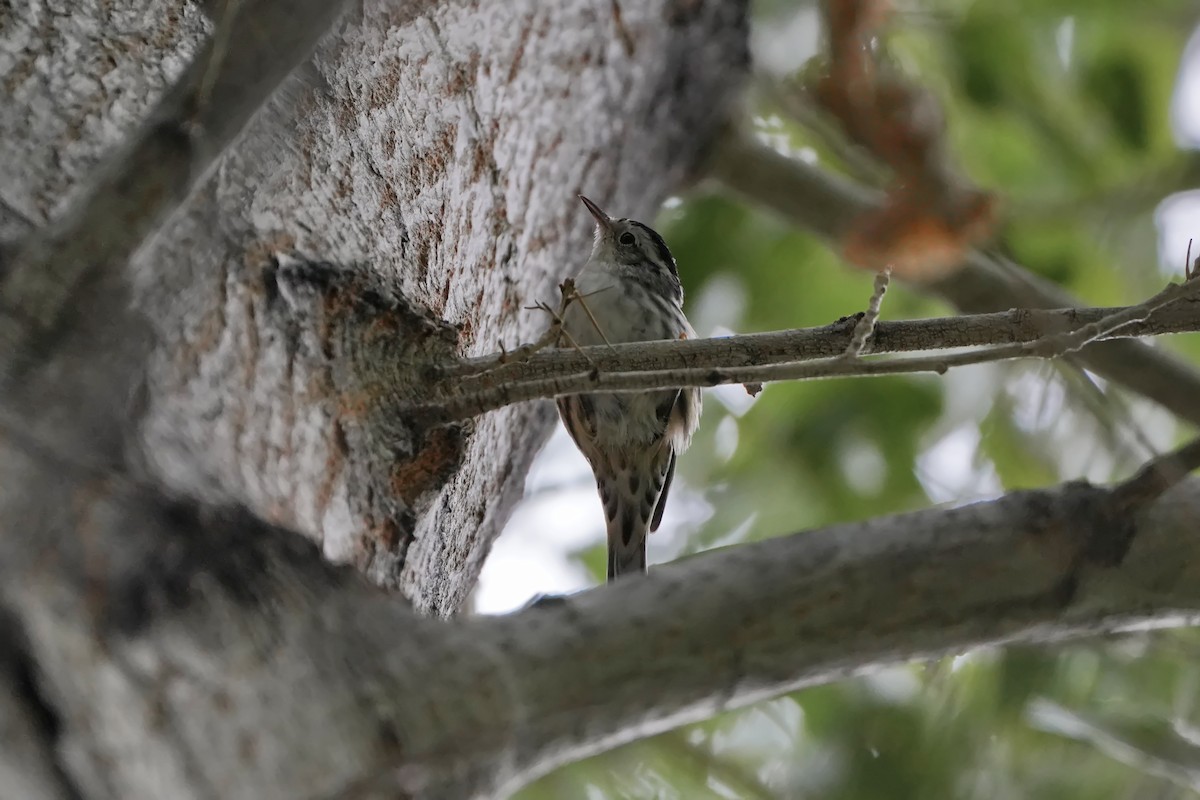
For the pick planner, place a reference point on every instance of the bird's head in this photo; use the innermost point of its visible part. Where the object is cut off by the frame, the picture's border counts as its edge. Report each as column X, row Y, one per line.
column 629, row 244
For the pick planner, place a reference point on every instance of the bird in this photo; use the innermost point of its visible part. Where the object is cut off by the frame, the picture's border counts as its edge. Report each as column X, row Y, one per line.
column 629, row 291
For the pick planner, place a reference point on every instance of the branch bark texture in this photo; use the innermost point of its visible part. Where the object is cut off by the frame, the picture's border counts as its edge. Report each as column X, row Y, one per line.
column 183, row 659
column 424, row 164
column 232, row 75
column 392, row 208
column 475, row 386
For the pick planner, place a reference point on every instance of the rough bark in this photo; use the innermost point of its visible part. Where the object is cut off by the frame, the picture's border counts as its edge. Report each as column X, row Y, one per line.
column 201, row 653
column 441, row 159
column 164, row 631
column 425, row 167
column 435, row 159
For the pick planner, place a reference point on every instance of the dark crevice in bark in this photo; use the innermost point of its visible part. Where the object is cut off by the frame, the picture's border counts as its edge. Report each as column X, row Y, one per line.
column 228, row 546
column 20, row 669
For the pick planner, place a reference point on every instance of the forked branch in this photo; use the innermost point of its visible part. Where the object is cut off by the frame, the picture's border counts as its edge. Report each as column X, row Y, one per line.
column 480, row 385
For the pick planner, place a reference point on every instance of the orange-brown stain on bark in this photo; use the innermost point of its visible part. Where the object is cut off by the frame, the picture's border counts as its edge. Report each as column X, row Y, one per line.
column 430, row 466
column 519, row 55
column 355, row 405
column 385, row 91
column 385, row 536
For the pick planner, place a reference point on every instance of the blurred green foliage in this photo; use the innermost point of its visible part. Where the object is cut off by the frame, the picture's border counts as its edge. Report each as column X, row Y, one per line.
column 1063, row 109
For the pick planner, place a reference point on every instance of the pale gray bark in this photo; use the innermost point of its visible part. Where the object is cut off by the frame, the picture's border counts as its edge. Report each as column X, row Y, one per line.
column 442, row 159
column 200, row 653
column 391, row 211
column 77, row 78
column 401, row 199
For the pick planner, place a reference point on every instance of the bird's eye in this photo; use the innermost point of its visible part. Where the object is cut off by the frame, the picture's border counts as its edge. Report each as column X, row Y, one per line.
column 626, row 238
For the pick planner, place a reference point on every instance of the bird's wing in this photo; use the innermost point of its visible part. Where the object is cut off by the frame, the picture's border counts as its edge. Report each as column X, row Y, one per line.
column 656, row 520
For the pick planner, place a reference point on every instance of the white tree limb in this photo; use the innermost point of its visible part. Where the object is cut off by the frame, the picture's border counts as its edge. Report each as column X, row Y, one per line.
column 193, row 650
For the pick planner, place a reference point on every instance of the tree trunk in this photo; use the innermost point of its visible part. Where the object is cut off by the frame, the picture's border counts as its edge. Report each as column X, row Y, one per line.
column 399, row 200
column 440, row 159
column 163, row 630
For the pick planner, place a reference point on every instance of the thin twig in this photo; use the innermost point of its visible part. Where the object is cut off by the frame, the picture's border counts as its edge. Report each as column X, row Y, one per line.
column 1063, row 343
column 1157, row 476
column 866, row 323
column 583, row 304
column 552, row 334
column 806, row 344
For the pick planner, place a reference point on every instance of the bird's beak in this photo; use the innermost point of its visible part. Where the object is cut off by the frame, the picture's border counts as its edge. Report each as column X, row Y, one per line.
column 603, row 221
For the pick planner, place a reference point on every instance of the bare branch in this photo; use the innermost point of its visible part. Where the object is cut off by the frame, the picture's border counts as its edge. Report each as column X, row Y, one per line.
column 552, row 334
column 1146, row 743
column 480, row 385
column 826, row 205
column 475, row 707
column 799, row 344
column 1159, row 475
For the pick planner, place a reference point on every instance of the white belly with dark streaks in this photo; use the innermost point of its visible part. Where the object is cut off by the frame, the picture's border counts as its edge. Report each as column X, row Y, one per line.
column 624, row 314
column 629, row 314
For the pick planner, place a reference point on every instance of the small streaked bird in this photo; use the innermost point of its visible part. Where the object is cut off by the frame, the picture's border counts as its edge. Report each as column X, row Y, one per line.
column 630, row 292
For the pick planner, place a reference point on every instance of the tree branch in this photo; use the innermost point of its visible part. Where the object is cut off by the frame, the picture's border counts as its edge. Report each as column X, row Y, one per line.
column 477, row 385
column 366, row 157
column 1146, row 743
column 215, row 623
column 827, row 205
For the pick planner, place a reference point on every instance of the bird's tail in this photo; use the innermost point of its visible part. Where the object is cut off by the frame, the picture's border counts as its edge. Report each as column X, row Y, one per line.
column 627, row 546
column 631, row 493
